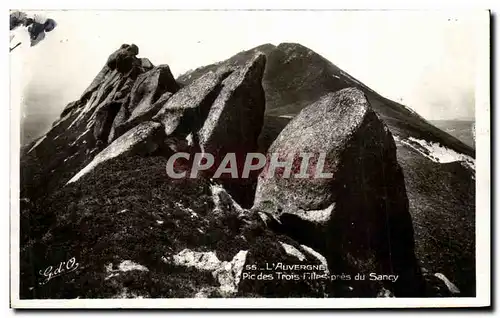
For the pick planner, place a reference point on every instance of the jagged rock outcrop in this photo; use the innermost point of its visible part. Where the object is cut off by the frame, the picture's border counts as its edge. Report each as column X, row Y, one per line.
column 123, row 59
column 82, row 129
column 143, row 139
column 148, row 94
column 69, row 108
column 186, row 111
column 148, row 88
column 359, row 215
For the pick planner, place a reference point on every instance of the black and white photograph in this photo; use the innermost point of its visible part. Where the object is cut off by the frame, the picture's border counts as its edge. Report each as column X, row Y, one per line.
column 249, row 158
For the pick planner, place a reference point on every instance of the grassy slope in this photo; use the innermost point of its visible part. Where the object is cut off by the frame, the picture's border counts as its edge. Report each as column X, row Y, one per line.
column 442, row 205
column 111, row 215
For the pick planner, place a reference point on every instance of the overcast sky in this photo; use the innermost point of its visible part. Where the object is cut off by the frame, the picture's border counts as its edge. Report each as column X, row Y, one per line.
column 424, row 60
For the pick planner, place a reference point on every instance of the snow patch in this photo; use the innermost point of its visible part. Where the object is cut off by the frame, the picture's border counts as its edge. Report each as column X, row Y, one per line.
column 128, row 265
column 437, row 153
column 189, row 139
column 125, row 266
column 290, row 250
column 205, row 261
column 228, row 274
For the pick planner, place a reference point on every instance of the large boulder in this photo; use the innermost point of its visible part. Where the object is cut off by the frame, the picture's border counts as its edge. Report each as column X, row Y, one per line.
column 358, row 216
column 234, row 123
column 324, row 127
column 236, row 116
column 186, row 111
column 124, row 58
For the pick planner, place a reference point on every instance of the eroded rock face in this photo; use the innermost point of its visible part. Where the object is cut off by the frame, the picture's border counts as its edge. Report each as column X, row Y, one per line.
column 148, row 94
column 234, row 123
column 146, row 63
column 186, row 111
column 236, row 116
column 142, row 139
column 149, row 87
column 104, row 120
column 359, row 215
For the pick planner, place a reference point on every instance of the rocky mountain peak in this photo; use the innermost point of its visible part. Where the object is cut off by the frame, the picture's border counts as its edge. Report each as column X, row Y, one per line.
column 99, row 186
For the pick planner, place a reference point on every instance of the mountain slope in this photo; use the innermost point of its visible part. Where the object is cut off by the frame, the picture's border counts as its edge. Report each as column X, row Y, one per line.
column 296, row 76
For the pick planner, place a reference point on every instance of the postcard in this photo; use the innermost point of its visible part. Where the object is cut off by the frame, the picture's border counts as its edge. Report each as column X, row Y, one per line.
column 250, row 159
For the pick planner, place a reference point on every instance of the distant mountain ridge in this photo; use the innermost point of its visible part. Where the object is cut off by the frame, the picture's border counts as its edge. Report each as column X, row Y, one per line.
column 313, row 76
